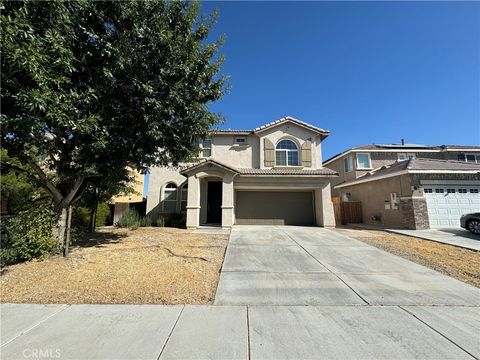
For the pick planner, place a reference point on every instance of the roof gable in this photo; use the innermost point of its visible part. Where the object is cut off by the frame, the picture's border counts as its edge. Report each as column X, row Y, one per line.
column 289, row 119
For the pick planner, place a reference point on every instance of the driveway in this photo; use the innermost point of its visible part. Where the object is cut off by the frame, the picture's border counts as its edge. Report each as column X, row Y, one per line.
column 286, row 265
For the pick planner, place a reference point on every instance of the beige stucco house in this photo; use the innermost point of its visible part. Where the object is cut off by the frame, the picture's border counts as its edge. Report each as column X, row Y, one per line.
column 269, row 175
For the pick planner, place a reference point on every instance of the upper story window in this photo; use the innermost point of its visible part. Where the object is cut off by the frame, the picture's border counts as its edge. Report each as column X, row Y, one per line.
column 363, row 161
column 205, row 147
column 286, row 153
column 469, row 158
column 241, row 140
column 348, row 163
column 405, row 156
column 170, row 198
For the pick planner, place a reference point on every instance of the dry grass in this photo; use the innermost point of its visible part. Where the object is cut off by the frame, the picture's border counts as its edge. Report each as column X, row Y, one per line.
column 119, row 266
column 456, row 262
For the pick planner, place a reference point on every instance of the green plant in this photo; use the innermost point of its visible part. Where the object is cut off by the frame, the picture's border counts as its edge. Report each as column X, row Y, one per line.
column 130, row 219
column 28, row 234
column 160, row 222
column 82, row 215
column 145, row 221
column 176, row 220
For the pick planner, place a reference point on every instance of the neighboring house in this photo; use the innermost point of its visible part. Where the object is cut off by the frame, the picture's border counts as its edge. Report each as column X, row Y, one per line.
column 418, row 193
column 125, row 201
column 359, row 160
column 270, row 175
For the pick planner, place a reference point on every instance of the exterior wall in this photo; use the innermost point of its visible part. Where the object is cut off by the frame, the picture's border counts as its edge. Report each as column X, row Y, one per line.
column 295, row 133
column 374, row 194
column 137, row 196
column 159, row 177
column 226, row 151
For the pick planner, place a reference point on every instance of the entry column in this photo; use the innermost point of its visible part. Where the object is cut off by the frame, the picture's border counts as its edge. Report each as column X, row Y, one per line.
column 193, row 202
column 227, row 201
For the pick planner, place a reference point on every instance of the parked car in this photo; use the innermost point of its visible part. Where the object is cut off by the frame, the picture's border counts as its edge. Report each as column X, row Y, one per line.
column 471, row 222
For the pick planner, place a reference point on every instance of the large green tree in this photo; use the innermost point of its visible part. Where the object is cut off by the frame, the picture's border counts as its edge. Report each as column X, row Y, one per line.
column 90, row 88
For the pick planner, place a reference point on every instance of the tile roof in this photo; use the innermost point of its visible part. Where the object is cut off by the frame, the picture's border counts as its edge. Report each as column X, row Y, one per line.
column 291, row 119
column 288, row 171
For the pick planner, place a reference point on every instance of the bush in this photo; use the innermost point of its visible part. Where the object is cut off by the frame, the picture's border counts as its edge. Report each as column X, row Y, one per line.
column 28, row 234
column 83, row 215
column 176, row 220
column 132, row 220
column 160, row 221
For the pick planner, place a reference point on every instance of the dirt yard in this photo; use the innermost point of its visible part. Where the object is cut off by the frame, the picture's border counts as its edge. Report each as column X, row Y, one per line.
column 119, row 266
column 456, row 262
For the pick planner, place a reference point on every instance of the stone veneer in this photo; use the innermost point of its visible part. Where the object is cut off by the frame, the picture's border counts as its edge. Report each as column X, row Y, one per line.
column 414, row 213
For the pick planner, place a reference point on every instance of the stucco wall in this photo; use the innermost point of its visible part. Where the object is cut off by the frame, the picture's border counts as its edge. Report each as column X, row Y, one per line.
column 296, row 133
column 225, row 150
column 159, row 177
column 373, row 195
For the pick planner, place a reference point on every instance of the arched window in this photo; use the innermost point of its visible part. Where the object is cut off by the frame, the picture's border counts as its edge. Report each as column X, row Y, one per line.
column 184, row 198
column 170, row 198
column 286, row 153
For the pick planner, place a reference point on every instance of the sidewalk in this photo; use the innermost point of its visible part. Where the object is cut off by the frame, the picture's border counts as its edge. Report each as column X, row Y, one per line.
column 238, row 332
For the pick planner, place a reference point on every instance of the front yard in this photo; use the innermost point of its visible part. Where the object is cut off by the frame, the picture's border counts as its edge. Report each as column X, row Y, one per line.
column 462, row 264
column 119, row 266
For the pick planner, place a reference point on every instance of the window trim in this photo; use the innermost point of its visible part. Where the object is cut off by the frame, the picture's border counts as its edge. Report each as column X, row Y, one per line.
column 286, row 151
column 345, row 160
column 183, row 190
column 405, row 157
column 357, row 164
column 475, row 156
column 201, row 148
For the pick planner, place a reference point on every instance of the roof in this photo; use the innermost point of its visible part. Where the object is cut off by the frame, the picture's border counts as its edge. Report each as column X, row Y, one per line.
column 415, row 166
column 259, row 172
column 400, row 147
column 259, row 129
column 292, row 120
column 288, row 171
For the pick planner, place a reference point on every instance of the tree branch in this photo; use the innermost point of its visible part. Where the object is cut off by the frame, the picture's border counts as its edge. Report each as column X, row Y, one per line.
column 57, row 196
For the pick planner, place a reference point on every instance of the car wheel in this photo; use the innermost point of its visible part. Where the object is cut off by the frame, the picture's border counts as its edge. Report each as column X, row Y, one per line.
column 474, row 226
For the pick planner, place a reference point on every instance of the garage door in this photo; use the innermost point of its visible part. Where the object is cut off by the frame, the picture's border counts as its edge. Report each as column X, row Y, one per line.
column 447, row 203
column 274, row 207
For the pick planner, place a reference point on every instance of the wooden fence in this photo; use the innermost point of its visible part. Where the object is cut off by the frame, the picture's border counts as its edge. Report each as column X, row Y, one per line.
column 351, row 212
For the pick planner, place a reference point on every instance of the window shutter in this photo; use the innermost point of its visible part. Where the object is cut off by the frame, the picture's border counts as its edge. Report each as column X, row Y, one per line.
column 307, row 153
column 269, row 153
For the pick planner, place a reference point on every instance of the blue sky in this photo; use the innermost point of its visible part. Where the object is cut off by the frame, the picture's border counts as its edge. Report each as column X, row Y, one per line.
column 370, row 72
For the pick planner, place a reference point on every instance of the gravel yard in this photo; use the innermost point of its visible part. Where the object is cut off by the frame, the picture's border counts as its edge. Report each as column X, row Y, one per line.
column 119, row 266
column 461, row 264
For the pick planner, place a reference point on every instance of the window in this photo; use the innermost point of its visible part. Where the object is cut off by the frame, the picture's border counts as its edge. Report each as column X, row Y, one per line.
column 184, row 198
column 241, row 140
column 205, row 148
column 363, row 161
column 428, row 191
column 348, row 164
column 469, row 158
column 450, row 191
column 462, row 191
column 411, row 156
column 402, row 156
column 286, row 153
column 439, row 191
column 170, row 198
column 474, row 191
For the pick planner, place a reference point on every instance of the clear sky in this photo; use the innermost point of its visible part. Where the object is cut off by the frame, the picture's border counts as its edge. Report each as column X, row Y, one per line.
column 370, row 72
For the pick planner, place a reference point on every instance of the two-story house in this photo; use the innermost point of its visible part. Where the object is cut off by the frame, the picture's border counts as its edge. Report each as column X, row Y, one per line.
column 269, row 175
column 407, row 185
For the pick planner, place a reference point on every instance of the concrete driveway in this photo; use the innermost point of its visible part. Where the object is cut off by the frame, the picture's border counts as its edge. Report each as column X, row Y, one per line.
column 365, row 304
column 286, row 265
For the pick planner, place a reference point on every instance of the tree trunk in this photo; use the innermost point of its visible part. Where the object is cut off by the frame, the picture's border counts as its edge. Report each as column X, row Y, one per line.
column 69, row 228
column 61, row 228
column 93, row 212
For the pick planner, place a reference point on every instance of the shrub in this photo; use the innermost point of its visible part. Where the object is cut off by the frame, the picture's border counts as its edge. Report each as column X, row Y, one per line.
column 28, row 234
column 160, row 222
column 176, row 220
column 83, row 215
column 130, row 219
column 145, row 221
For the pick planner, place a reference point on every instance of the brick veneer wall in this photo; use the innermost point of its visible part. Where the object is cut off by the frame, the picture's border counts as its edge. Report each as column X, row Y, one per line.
column 414, row 213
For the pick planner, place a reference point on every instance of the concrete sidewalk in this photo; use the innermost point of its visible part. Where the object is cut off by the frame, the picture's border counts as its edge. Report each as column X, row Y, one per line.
column 456, row 237
column 238, row 332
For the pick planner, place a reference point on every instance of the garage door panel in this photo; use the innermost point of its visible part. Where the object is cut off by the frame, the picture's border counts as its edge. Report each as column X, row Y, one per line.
column 445, row 207
column 274, row 207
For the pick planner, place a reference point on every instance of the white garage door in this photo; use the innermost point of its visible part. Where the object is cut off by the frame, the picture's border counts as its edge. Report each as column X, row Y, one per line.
column 446, row 203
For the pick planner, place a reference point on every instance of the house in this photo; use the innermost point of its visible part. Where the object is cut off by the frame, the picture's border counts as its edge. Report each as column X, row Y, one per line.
column 410, row 186
column 359, row 160
column 122, row 202
column 269, row 175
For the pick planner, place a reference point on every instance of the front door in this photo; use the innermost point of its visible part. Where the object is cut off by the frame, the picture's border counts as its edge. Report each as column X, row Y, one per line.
column 214, row 202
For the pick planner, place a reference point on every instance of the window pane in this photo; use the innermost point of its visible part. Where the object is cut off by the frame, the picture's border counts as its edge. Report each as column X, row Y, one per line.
column 281, row 157
column 293, row 158
column 348, row 164
column 401, row 157
column 183, row 206
column 471, row 158
column 170, row 194
column 206, row 144
column 206, row 152
column 170, row 206
column 461, row 157
column 363, row 161
column 287, row 144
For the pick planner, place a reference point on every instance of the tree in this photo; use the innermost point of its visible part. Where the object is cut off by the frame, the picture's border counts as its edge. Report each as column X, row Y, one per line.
column 90, row 88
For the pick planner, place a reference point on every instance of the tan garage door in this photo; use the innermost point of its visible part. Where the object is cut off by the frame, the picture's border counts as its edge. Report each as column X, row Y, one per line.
column 274, row 208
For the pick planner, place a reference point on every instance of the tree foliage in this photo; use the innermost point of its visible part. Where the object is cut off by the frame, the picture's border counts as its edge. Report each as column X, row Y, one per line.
column 90, row 88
